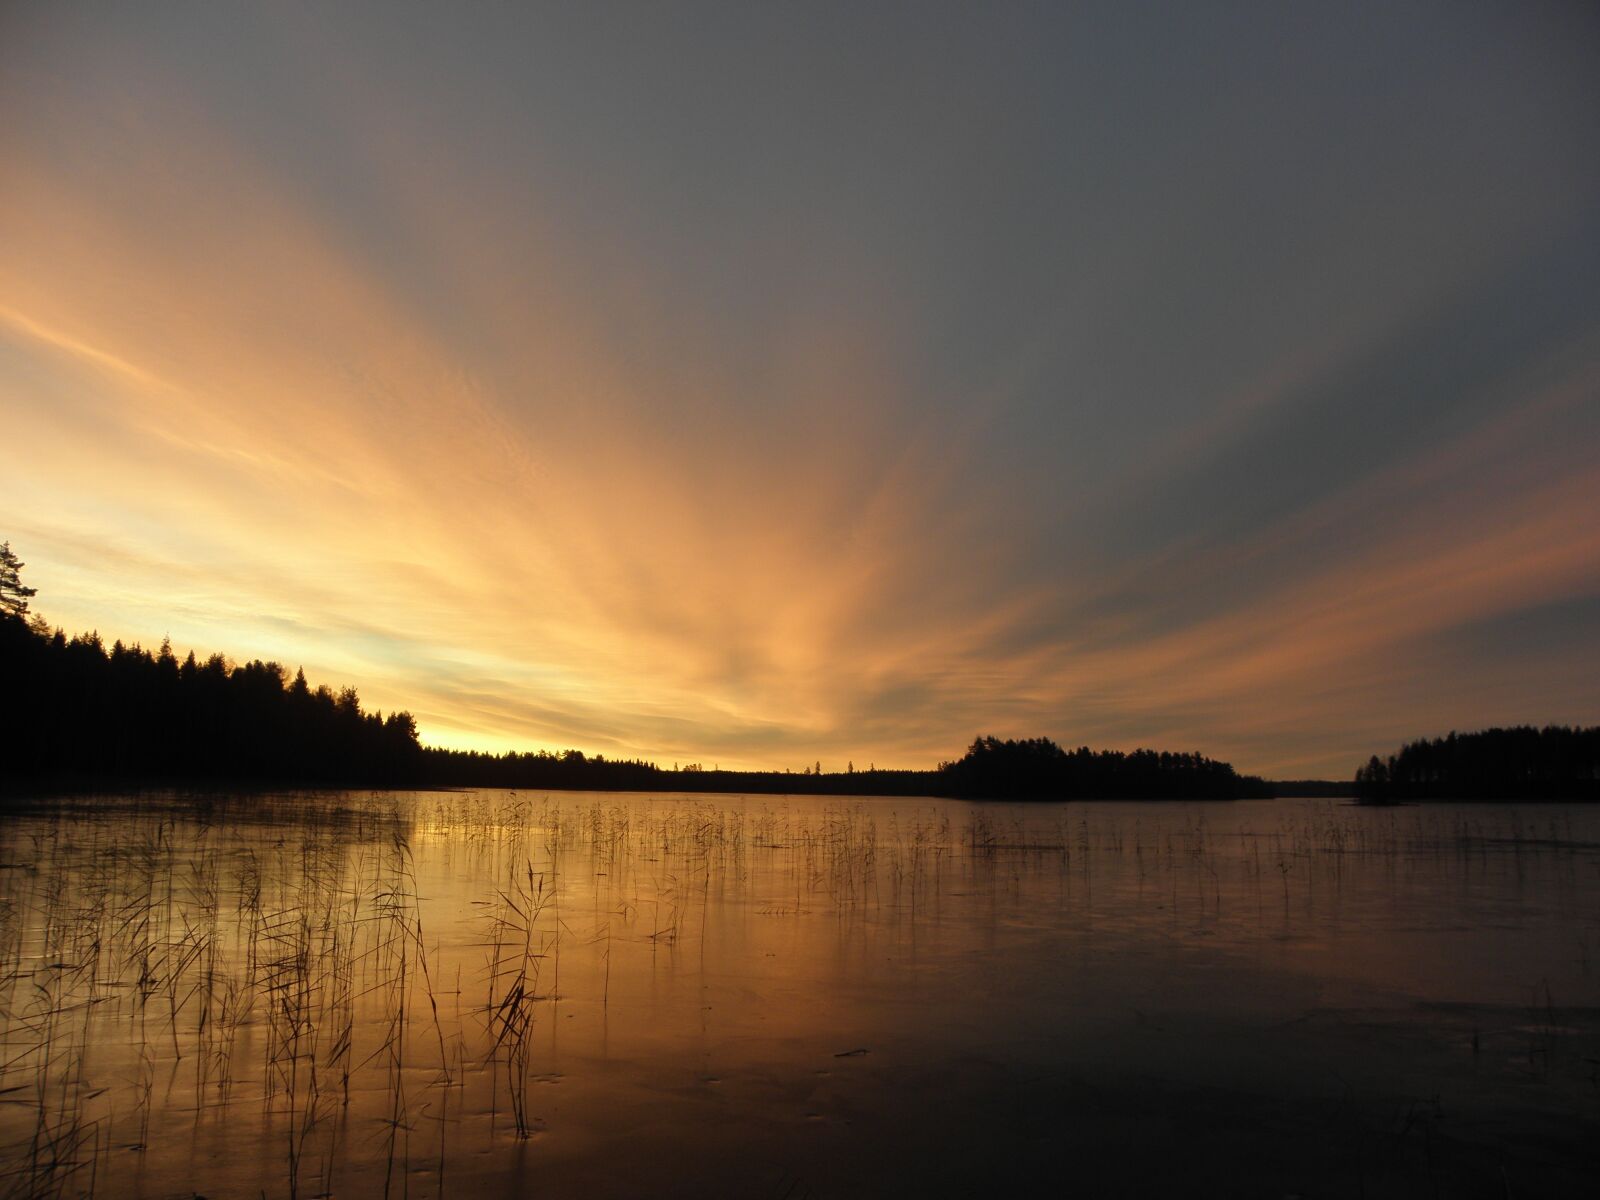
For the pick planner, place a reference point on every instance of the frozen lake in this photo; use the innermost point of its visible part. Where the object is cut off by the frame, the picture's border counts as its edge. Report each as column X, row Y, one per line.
column 609, row 994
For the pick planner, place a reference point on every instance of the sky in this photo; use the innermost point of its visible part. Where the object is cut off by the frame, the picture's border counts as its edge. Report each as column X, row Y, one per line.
column 766, row 384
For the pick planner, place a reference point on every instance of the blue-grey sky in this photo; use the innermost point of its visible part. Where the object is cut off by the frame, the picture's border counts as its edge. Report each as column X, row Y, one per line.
column 762, row 383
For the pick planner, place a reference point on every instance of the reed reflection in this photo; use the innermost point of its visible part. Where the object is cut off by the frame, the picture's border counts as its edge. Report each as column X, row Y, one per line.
column 418, row 993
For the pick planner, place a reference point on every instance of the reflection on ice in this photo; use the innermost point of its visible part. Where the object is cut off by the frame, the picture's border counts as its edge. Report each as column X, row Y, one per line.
column 420, row 994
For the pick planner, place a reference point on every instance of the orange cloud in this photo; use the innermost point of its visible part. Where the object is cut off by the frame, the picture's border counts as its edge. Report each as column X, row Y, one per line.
column 403, row 416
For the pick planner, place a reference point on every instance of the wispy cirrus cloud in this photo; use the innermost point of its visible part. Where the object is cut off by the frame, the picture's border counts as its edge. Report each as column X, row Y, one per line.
column 759, row 395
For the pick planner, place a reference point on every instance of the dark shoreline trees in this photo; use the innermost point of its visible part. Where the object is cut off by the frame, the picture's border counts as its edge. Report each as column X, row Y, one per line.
column 72, row 709
column 1557, row 762
column 572, row 769
column 76, row 714
column 1037, row 768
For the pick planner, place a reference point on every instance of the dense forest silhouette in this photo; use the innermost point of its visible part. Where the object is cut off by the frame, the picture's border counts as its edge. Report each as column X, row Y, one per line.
column 1037, row 768
column 75, row 708
column 1522, row 763
column 75, row 713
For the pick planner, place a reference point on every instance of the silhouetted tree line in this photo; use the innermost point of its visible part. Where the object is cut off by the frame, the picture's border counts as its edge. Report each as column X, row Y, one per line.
column 576, row 770
column 1030, row 769
column 73, row 709
column 1037, row 768
column 1521, row 763
column 1321, row 788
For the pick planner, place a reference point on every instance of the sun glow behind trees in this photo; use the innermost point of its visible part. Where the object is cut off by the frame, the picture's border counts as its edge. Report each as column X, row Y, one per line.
column 724, row 411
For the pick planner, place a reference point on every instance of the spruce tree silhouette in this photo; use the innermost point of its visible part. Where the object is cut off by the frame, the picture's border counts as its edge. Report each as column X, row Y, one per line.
column 14, row 595
column 73, row 710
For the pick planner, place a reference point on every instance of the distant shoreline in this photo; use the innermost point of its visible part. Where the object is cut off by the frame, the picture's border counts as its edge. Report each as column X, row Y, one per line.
column 71, row 785
column 794, row 785
column 82, row 718
column 712, row 783
column 723, row 783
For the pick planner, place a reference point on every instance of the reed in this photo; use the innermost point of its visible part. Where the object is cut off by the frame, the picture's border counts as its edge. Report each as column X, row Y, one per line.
column 276, row 978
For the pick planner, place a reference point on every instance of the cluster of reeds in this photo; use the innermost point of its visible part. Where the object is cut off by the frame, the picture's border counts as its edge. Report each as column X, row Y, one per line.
column 277, row 977
column 518, row 947
column 143, row 951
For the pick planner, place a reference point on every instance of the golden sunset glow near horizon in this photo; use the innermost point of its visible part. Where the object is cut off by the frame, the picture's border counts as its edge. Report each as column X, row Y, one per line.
column 758, row 385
